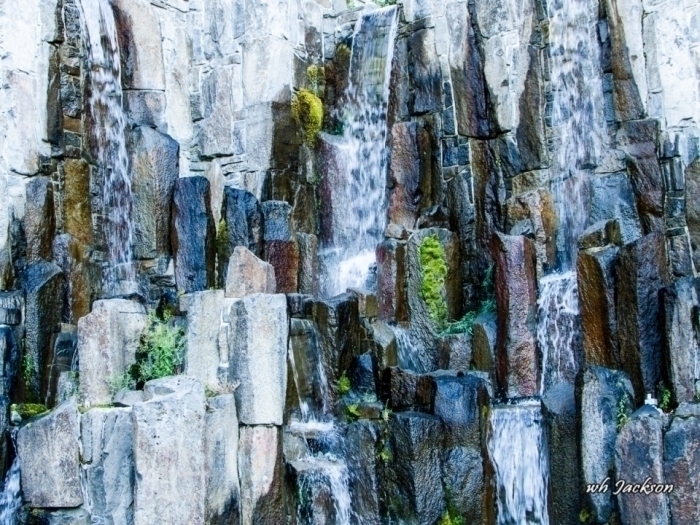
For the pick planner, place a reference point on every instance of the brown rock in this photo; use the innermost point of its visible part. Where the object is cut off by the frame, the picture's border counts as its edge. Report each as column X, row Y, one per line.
column 248, row 275
column 39, row 221
column 391, row 281
column 308, row 264
column 77, row 210
column 284, row 257
column 517, row 362
column 535, row 211
column 681, row 465
column 596, row 289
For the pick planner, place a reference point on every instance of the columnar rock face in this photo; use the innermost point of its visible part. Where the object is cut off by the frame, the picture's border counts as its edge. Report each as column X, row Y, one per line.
column 559, row 412
column 154, row 165
column 222, row 505
column 48, row 449
column 484, row 345
column 639, row 456
column 643, row 263
column 516, row 350
column 596, row 290
column 107, row 342
column 203, row 311
column 680, row 302
column 603, row 397
column 242, row 215
column 257, row 341
column 39, row 224
column 391, row 280
column 108, row 463
column 261, row 469
column 169, row 456
column 414, row 487
column 193, row 235
column 73, row 259
column 248, row 275
column 681, row 468
column 43, row 283
column 281, row 247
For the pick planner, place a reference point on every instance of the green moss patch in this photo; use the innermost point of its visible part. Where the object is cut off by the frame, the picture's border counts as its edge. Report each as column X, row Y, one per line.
column 307, row 110
column 433, row 267
column 27, row 410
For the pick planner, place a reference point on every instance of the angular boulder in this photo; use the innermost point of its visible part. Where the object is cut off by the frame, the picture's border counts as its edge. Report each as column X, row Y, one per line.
column 257, row 341
column 108, row 338
column 169, row 457
column 681, row 465
column 222, row 504
column 248, row 275
column 242, row 219
column 154, row 159
column 643, row 263
column 281, row 246
column 49, row 452
column 108, row 462
column 391, row 281
column 192, row 235
column 603, row 397
column 261, row 471
column 639, row 456
column 517, row 361
column 39, row 220
column 203, row 313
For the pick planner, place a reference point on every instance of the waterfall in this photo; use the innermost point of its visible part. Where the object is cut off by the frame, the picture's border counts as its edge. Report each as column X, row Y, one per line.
column 108, row 142
column 558, row 329
column 518, row 450
column 408, row 354
column 324, row 478
column 308, row 373
column 358, row 223
column 11, row 496
column 578, row 122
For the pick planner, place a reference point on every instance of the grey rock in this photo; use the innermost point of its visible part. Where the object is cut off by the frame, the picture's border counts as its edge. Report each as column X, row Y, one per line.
column 203, row 313
column 108, row 338
column 216, row 137
column 414, row 484
column 248, row 275
column 484, row 345
column 169, row 452
column 613, row 198
column 59, row 517
column 153, row 160
column 257, row 341
column 222, row 505
column 308, row 264
column 643, row 263
column 39, row 220
column 680, row 301
column 638, row 456
column 261, row 471
column 600, row 394
column 43, row 283
column 48, row 448
column 385, row 339
column 681, row 467
column 108, row 463
column 391, row 281
column 128, row 398
column 424, row 72
column 363, row 437
column 193, row 235
column 559, row 414
column 242, row 214
column 145, row 108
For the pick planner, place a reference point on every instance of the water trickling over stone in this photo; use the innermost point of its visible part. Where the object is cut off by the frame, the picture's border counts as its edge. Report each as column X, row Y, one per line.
column 518, row 450
column 108, row 143
column 558, row 329
column 310, row 380
column 11, row 497
column 358, row 223
column 578, row 122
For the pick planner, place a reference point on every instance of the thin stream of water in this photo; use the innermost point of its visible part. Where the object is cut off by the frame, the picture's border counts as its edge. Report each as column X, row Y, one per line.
column 11, row 496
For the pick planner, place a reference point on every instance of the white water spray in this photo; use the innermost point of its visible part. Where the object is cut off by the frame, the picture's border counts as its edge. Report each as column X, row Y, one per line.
column 108, row 142
column 11, row 496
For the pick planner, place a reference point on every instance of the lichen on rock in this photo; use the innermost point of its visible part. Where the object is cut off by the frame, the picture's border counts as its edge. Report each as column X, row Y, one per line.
column 307, row 110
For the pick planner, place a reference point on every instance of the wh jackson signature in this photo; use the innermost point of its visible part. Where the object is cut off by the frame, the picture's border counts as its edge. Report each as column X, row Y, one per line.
column 625, row 487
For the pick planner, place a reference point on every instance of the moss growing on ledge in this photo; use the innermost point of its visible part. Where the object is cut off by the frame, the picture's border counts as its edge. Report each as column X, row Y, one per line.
column 161, row 351
column 27, row 410
column 307, row 110
column 433, row 266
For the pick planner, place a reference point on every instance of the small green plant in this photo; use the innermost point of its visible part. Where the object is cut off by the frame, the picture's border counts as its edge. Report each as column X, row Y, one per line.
column 466, row 324
column 28, row 369
column 386, row 413
column 622, row 417
column 385, row 455
column 452, row 515
column 316, row 75
column 343, row 385
column 121, row 382
column 352, row 412
column 385, row 3
column 585, row 516
column 307, row 111
column 665, row 397
column 433, row 266
column 161, row 350
column 220, row 388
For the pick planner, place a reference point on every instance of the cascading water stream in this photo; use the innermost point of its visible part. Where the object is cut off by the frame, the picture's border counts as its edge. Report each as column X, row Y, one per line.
column 11, row 496
column 359, row 226
column 108, row 143
column 518, row 450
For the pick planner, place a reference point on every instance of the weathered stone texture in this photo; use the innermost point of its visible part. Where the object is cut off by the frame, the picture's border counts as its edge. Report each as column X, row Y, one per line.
column 248, row 275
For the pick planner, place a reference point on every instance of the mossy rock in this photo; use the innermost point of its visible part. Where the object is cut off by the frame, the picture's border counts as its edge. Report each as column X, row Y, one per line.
column 307, row 110
column 27, row 410
column 433, row 266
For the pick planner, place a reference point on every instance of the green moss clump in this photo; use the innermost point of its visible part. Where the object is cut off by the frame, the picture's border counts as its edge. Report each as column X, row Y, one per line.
column 27, row 410
column 343, row 385
column 316, row 75
column 352, row 412
column 307, row 110
column 433, row 266
column 161, row 350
